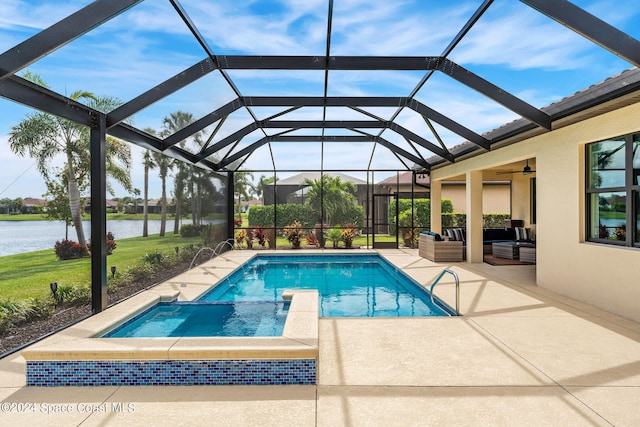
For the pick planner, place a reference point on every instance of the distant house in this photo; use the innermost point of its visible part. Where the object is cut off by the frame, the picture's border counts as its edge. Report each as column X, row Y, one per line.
column 32, row 205
column 292, row 189
column 155, row 206
column 112, row 206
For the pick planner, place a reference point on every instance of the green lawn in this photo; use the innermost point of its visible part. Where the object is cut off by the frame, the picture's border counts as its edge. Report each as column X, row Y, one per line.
column 612, row 215
column 28, row 275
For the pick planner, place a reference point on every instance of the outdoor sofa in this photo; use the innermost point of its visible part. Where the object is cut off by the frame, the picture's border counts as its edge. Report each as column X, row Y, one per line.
column 434, row 247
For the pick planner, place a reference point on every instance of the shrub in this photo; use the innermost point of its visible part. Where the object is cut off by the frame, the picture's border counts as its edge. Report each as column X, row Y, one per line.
column 311, row 239
column 293, row 233
column 261, row 236
column 154, row 258
column 244, row 236
column 190, row 230
column 261, row 216
column 285, row 214
column 494, row 220
column 187, row 252
column 621, row 232
column 334, row 236
column 111, row 243
column 354, row 214
column 347, row 235
column 13, row 313
column 421, row 212
column 140, row 271
column 453, row 220
column 72, row 295
column 67, row 249
column 603, row 232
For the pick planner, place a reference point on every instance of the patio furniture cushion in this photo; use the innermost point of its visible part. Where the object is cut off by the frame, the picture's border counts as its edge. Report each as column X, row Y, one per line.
column 523, row 234
column 436, row 236
column 456, row 234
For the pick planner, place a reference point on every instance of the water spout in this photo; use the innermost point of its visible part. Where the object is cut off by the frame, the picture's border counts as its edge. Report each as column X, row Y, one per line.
column 214, row 252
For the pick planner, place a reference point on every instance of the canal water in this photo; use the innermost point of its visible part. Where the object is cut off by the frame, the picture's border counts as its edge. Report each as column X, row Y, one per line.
column 26, row 236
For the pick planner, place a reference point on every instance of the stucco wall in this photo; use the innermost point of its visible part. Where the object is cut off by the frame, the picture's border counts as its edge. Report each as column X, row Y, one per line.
column 602, row 275
column 495, row 198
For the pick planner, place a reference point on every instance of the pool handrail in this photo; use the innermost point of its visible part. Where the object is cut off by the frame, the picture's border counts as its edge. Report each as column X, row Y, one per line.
column 457, row 282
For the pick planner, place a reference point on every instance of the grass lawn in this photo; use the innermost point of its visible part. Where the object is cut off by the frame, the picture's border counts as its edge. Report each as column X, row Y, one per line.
column 612, row 215
column 28, row 275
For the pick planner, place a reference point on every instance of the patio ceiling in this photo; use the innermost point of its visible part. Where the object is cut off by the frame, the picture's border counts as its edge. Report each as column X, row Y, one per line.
column 326, row 78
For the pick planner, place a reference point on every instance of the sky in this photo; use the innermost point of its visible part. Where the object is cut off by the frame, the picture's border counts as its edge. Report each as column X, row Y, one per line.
column 512, row 46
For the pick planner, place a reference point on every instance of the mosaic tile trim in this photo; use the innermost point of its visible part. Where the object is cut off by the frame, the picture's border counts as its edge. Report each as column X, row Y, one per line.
column 56, row 373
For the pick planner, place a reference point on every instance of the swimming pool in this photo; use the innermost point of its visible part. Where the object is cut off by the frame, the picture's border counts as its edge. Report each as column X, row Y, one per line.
column 249, row 302
column 202, row 319
column 348, row 285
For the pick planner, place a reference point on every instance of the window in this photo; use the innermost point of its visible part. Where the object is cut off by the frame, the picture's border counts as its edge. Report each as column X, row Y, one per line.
column 613, row 191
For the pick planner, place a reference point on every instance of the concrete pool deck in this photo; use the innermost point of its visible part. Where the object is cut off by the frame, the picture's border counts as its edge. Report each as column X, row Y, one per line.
column 521, row 355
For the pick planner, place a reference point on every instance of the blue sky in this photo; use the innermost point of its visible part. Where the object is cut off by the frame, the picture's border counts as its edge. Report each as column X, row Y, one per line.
column 512, row 46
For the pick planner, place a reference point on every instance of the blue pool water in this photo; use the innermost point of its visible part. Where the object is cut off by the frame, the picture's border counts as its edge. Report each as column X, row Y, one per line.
column 249, row 301
column 179, row 319
column 348, row 285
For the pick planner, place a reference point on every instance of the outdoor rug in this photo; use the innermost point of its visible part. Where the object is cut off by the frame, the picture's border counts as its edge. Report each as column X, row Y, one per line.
column 490, row 259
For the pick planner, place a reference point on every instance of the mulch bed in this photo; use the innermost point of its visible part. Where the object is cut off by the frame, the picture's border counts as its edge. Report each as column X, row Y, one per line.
column 64, row 315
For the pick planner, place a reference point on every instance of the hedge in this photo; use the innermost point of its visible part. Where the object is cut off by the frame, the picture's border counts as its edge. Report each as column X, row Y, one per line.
column 286, row 214
column 421, row 216
column 457, row 219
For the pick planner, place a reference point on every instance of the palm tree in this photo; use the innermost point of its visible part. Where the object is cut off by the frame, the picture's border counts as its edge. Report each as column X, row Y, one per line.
column 165, row 164
column 148, row 163
column 241, row 186
column 180, row 180
column 188, row 176
column 331, row 193
column 43, row 136
column 263, row 181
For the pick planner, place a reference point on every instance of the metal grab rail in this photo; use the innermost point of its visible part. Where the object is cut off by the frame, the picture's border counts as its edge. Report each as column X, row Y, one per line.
column 457, row 281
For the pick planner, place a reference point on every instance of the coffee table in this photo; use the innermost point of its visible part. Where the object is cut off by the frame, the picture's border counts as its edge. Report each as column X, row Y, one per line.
column 509, row 250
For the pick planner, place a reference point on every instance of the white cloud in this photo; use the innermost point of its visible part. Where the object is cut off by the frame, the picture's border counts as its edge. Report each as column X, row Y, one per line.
column 521, row 39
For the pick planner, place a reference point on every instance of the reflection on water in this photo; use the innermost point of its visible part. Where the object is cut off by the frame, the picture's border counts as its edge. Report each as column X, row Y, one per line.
column 26, row 236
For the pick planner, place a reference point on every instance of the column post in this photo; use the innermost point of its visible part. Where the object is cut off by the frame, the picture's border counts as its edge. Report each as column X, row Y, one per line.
column 474, row 216
column 98, row 150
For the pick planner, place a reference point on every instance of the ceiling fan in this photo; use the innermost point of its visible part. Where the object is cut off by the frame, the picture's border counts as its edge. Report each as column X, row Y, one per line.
column 525, row 171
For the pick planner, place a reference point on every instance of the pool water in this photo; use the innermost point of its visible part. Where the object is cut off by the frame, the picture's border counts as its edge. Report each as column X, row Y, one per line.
column 348, row 285
column 242, row 319
column 249, row 302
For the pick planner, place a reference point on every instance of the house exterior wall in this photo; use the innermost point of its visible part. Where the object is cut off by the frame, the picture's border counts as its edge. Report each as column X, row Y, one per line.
column 605, row 276
column 496, row 198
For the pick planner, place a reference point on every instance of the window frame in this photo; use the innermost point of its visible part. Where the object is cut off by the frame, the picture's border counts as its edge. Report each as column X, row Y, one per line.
column 630, row 190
